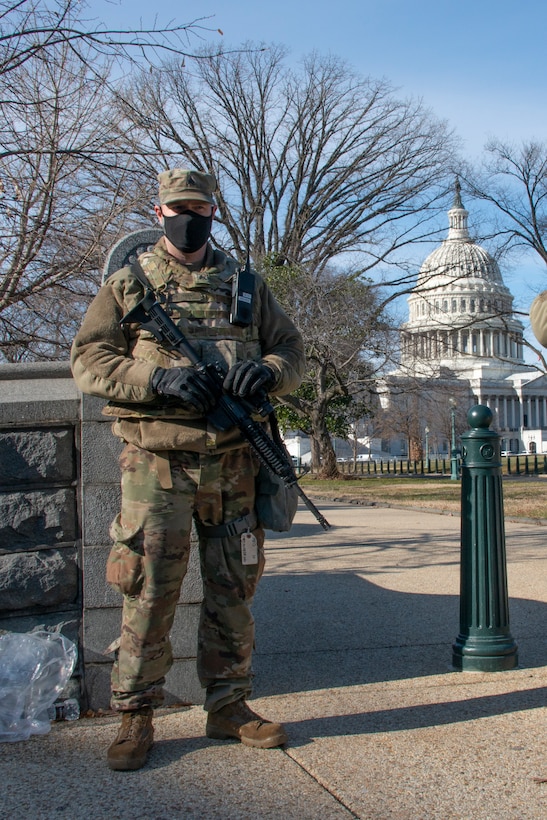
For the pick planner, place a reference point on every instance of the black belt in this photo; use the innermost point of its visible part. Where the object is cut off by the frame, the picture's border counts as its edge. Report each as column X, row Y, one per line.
column 235, row 527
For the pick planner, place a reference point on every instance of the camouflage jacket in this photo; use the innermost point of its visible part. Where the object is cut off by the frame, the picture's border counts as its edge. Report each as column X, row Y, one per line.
column 116, row 362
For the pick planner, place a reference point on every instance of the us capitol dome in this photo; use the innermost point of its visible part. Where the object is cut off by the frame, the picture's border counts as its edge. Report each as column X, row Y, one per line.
column 462, row 344
column 460, row 311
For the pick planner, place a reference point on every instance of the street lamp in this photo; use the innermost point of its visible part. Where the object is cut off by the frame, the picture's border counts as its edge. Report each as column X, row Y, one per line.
column 453, row 452
column 426, row 443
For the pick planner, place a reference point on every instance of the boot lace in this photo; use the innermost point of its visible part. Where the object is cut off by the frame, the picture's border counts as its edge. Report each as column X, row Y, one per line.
column 132, row 727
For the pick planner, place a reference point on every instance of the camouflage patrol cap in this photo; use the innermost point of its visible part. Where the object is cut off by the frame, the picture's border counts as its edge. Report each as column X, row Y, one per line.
column 181, row 183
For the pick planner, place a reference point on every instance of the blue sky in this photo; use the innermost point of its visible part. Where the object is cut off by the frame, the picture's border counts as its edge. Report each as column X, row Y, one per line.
column 479, row 64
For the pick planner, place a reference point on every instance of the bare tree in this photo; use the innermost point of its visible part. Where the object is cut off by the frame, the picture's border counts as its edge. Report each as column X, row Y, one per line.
column 35, row 28
column 514, row 181
column 64, row 174
column 312, row 164
column 57, row 144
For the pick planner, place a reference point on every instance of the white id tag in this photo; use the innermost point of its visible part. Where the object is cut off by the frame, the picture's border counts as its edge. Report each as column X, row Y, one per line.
column 249, row 549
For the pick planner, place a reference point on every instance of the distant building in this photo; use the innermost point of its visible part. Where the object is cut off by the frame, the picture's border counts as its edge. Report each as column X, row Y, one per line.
column 461, row 343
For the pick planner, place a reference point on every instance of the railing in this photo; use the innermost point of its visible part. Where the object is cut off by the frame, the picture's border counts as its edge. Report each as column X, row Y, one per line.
column 396, row 466
column 511, row 465
column 525, row 465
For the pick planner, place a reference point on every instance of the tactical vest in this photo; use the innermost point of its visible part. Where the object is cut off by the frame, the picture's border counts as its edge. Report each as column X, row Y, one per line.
column 199, row 303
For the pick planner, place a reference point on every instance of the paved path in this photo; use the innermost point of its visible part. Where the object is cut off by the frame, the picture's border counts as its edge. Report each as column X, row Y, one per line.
column 354, row 647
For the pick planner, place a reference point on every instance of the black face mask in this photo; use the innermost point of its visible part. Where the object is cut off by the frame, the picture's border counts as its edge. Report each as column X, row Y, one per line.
column 188, row 231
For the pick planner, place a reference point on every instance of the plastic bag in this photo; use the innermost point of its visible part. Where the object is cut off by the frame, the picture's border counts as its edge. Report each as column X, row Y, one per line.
column 34, row 668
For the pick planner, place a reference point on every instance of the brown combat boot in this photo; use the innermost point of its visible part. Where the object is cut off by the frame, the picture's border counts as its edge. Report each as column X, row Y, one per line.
column 237, row 720
column 130, row 749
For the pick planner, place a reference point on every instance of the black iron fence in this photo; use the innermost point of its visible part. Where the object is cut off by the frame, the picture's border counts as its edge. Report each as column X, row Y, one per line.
column 511, row 465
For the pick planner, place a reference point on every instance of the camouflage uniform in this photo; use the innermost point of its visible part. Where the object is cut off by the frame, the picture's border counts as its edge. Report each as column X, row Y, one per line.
column 152, row 534
column 176, row 467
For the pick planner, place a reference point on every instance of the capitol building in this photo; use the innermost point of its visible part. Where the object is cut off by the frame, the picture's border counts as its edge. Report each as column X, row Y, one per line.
column 461, row 345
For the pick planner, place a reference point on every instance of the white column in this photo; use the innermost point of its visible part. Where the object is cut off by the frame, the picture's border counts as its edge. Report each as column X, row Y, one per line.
column 495, row 408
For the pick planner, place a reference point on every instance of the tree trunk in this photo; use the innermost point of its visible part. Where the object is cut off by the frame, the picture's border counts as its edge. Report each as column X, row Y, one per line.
column 416, row 452
column 321, row 442
column 315, row 455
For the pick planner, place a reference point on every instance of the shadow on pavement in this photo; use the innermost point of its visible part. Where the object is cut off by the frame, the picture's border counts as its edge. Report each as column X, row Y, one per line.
column 417, row 717
column 331, row 629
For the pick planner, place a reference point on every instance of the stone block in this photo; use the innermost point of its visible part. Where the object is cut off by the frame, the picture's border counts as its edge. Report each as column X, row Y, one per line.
column 97, row 593
column 31, row 519
column 44, row 578
column 66, row 622
column 100, row 507
column 38, row 393
column 182, row 685
column 35, row 456
column 39, row 412
column 91, row 409
column 100, row 453
column 102, row 627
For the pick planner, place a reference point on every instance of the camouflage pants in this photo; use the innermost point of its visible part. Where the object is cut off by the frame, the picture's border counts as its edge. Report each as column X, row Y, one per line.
column 149, row 560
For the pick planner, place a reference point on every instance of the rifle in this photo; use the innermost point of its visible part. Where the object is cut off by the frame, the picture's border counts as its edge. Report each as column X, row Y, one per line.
column 229, row 411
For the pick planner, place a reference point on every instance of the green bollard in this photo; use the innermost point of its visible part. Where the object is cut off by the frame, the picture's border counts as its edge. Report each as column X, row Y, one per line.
column 485, row 643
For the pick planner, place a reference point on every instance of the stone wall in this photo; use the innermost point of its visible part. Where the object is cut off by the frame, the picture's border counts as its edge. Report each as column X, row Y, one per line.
column 40, row 546
column 59, row 491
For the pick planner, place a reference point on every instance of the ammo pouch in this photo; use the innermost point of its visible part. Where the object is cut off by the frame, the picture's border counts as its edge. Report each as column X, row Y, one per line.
column 275, row 503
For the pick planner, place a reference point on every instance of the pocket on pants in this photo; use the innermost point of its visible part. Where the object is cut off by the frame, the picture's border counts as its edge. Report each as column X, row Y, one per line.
column 124, row 566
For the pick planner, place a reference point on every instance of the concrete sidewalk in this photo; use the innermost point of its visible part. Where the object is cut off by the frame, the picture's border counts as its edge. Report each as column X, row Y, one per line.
column 354, row 648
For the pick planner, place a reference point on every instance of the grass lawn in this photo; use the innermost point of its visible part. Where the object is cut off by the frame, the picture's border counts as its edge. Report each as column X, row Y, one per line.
column 523, row 497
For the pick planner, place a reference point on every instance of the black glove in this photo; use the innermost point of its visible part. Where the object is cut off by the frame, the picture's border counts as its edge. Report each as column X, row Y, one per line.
column 248, row 378
column 194, row 388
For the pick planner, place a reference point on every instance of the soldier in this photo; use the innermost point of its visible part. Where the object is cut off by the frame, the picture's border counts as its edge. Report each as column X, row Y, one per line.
column 176, row 467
